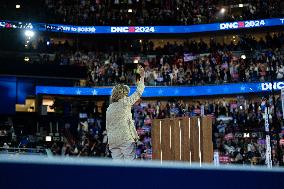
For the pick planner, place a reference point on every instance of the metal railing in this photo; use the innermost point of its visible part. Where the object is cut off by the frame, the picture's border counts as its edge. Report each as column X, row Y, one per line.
column 23, row 151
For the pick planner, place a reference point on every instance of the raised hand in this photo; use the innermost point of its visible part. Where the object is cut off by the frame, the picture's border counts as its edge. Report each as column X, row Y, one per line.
column 141, row 71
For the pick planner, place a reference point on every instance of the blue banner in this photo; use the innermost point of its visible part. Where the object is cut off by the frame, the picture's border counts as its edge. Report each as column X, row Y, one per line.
column 194, row 91
column 143, row 29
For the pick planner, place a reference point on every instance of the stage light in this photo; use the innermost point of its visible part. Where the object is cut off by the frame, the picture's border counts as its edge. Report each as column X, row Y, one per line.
column 48, row 138
column 243, row 57
column 29, row 33
column 140, row 41
column 18, row 6
column 26, row 59
column 129, row 10
column 246, row 135
column 241, row 5
column 136, row 61
column 223, row 10
column 47, row 43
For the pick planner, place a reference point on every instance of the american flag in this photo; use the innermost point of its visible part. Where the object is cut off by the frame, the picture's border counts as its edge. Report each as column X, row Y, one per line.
column 224, row 159
column 149, row 156
column 197, row 111
column 211, row 115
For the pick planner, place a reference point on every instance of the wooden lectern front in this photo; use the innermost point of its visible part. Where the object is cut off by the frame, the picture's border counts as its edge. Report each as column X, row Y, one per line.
column 183, row 139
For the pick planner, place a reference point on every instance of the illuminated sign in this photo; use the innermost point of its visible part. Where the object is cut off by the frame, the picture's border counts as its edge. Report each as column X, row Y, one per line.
column 71, row 29
column 243, row 24
column 268, row 86
column 143, row 29
column 227, row 89
column 232, row 25
column 119, row 29
column 132, row 29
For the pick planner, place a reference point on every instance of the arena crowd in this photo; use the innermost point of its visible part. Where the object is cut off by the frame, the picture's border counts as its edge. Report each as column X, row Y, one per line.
column 174, row 64
column 232, row 117
column 190, row 63
column 152, row 12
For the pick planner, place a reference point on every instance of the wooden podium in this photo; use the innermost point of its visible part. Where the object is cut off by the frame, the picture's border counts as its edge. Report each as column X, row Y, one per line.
column 183, row 139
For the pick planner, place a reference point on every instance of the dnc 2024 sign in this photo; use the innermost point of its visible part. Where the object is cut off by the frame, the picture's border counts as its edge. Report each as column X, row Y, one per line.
column 268, row 86
column 243, row 24
column 141, row 29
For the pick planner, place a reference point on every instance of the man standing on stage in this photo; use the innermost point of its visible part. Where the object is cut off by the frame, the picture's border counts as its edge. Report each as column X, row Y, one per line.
column 120, row 127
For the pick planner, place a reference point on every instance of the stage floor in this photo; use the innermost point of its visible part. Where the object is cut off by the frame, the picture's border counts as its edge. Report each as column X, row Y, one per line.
column 55, row 172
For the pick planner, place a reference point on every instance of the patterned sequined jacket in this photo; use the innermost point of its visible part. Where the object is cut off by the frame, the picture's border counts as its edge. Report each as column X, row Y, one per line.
column 119, row 124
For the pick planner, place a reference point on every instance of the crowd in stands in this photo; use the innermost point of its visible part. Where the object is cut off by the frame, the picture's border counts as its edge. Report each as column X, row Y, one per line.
column 90, row 140
column 232, row 118
column 140, row 12
column 153, row 12
column 190, row 63
column 85, row 136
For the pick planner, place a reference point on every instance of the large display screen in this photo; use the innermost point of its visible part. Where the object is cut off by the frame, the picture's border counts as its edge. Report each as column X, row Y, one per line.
column 142, row 29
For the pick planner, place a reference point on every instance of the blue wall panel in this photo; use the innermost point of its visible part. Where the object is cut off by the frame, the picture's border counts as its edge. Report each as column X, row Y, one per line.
column 13, row 91
column 7, row 95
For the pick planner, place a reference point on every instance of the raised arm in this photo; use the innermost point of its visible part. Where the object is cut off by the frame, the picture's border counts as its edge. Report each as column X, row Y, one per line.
column 140, row 88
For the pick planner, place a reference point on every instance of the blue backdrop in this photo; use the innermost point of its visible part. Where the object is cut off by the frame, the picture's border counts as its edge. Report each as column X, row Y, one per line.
column 13, row 91
column 238, row 88
column 7, row 95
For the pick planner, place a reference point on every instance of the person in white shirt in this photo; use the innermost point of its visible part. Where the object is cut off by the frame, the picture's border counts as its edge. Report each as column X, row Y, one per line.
column 6, row 146
column 120, row 127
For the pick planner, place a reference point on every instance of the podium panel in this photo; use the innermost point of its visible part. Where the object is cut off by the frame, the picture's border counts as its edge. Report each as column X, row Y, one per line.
column 183, row 139
column 156, row 144
column 166, row 140
column 176, row 139
column 194, row 147
column 206, row 140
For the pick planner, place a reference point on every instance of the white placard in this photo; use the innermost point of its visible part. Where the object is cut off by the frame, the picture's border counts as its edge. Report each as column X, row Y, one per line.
column 202, row 113
column 266, row 119
column 268, row 159
column 282, row 100
column 216, row 159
